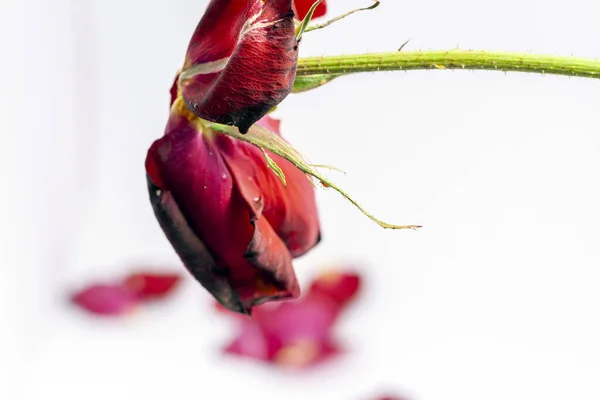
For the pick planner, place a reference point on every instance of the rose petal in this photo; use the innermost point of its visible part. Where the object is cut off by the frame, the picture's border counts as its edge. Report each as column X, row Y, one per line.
column 241, row 61
column 105, row 299
column 290, row 210
column 301, row 8
column 191, row 250
column 305, row 353
column 151, row 285
column 307, row 319
column 253, row 342
column 339, row 287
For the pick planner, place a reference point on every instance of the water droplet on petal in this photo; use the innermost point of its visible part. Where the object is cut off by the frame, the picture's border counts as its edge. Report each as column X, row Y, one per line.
column 204, row 186
column 224, row 176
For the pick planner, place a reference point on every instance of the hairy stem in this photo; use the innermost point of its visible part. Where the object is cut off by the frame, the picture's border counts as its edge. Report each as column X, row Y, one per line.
column 447, row 59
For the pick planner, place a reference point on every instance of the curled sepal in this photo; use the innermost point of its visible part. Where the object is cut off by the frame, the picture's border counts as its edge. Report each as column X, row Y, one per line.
column 264, row 139
column 274, row 167
column 304, row 83
column 340, row 17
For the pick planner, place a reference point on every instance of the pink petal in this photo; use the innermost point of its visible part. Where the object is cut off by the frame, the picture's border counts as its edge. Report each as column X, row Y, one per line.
column 253, row 342
column 105, row 299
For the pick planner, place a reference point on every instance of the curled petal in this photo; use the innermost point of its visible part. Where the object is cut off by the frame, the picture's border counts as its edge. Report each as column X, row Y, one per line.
column 191, row 250
column 291, row 210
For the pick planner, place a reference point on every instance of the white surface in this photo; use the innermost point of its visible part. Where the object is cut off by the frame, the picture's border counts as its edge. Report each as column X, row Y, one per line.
column 495, row 298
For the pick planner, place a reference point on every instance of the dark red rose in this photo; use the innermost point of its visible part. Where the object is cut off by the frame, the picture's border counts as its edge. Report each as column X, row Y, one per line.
column 233, row 223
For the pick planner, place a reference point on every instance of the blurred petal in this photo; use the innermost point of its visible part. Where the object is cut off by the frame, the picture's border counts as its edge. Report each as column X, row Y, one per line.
column 307, row 319
column 254, row 343
column 241, row 61
column 301, row 8
column 151, row 285
column 339, row 287
column 105, row 299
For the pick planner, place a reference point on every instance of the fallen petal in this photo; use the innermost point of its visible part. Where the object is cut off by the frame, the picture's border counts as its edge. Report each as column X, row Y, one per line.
column 339, row 287
column 105, row 299
column 151, row 285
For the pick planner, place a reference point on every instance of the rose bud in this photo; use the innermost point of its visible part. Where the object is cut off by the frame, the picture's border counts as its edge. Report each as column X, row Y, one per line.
column 241, row 61
column 231, row 220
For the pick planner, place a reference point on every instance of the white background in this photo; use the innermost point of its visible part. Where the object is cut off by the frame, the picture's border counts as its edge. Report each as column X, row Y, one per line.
column 495, row 298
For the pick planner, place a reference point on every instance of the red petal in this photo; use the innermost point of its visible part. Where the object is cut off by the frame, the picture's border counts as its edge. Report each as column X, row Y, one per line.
column 105, row 299
column 241, row 61
column 301, row 8
column 191, row 250
column 150, row 285
column 339, row 287
column 248, row 259
column 291, row 210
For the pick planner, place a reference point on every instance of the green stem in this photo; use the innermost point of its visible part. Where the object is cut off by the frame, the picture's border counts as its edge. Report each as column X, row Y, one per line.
column 449, row 59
